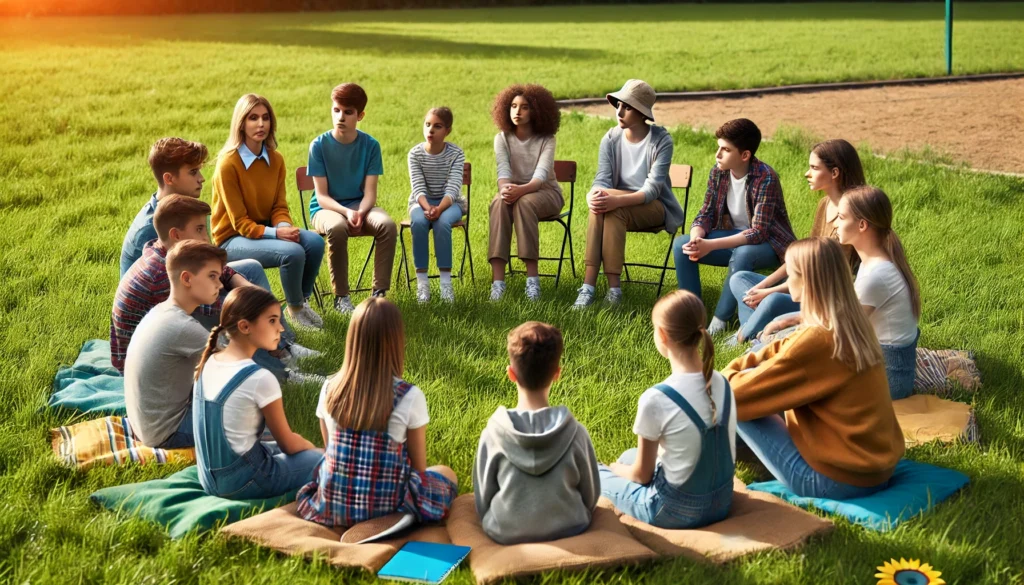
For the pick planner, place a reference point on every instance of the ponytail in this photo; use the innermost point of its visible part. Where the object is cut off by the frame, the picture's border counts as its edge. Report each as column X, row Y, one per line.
column 894, row 248
column 708, row 355
column 211, row 348
column 681, row 315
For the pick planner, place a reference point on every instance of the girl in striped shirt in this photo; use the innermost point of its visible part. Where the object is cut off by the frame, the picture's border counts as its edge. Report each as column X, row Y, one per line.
column 436, row 201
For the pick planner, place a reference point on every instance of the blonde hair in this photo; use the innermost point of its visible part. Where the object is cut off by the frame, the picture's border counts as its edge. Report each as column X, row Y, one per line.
column 830, row 301
column 681, row 315
column 236, row 137
column 361, row 396
column 873, row 206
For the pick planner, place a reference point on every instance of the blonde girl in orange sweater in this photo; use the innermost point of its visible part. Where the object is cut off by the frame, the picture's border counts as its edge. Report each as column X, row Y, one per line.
column 838, row 437
column 250, row 216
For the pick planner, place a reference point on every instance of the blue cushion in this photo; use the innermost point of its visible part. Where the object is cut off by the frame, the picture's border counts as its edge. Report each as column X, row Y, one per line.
column 92, row 385
column 914, row 488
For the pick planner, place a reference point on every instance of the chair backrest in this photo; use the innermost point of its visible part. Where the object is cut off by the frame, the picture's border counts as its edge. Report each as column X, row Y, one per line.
column 565, row 172
column 682, row 177
column 467, row 181
column 305, row 183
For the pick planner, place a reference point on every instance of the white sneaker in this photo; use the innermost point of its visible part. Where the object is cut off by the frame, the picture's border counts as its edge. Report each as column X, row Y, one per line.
column 614, row 296
column 423, row 292
column 304, row 378
column 300, row 352
column 344, row 305
column 585, row 298
column 305, row 318
column 532, row 290
column 497, row 290
column 447, row 293
column 717, row 326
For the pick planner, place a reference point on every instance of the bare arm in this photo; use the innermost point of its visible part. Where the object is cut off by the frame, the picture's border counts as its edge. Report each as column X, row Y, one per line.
column 642, row 470
column 288, row 440
column 325, row 200
column 416, row 447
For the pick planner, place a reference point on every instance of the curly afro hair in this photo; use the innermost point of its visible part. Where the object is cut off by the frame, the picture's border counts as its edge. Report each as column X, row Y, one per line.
column 544, row 114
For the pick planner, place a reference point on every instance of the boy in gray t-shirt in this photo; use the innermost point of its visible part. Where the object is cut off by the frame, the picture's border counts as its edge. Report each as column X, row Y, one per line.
column 163, row 353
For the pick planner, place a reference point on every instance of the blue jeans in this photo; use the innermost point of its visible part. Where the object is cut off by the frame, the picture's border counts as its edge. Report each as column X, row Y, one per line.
column 299, row 261
column 184, row 436
column 753, row 321
column 442, row 227
column 266, row 472
column 750, row 257
column 769, row 439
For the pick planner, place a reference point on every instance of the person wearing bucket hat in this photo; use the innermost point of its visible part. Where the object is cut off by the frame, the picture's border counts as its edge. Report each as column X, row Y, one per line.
column 631, row 190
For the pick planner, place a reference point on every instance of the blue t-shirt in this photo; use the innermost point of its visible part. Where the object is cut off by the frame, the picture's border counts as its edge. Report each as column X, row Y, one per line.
column 140, row 232
column 345, row 166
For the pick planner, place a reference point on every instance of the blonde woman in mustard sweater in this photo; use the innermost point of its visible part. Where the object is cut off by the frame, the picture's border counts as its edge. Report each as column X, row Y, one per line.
column 837, row 437
column 250, row 216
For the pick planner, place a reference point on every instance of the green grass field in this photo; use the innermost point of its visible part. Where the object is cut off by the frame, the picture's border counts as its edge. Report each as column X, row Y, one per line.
column 83, row 99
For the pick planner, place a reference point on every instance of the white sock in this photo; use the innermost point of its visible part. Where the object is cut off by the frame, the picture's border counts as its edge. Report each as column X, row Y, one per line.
column 422, row 278
column 717, row 326
column 498, row 283
column 588, row 287
column 615, row 289
column 533, row 279
column 446, row 277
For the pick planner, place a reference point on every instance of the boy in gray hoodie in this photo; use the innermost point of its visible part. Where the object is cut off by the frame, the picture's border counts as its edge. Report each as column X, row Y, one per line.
column 535, row 476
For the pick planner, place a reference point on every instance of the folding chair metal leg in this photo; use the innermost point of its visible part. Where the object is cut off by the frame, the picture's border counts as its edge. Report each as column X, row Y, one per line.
column 318, row 296
column 664, row 266
column 572, row 261
column 404, row 261
column 359, row 282
column 467, row 253
column 561, row 256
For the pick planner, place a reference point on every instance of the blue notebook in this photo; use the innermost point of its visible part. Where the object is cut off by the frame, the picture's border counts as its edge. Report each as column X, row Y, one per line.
column 423, row 562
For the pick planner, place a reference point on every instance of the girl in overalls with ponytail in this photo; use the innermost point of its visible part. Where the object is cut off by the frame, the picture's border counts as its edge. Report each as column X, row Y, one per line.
column 234, row 399
column 681, row 474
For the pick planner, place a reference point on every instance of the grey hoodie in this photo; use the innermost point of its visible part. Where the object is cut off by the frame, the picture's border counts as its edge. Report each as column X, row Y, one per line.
column 535, row 476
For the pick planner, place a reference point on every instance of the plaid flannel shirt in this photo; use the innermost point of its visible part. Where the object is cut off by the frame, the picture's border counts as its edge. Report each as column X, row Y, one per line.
column 143, row 287
column 366, row 474
column 766, row 208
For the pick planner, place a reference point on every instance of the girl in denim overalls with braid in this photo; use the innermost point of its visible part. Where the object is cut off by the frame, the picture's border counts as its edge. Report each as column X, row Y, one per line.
column 234, row 399
column 374, row 424
column 681, row 475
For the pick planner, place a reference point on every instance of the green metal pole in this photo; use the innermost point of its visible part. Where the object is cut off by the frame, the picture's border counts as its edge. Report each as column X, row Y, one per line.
column 949, row 37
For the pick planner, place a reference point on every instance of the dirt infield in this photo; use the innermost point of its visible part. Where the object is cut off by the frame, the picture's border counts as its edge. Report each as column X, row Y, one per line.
column 980, row 122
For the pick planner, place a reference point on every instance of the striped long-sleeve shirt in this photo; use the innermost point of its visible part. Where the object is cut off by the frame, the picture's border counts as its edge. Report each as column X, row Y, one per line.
column 143, row 287
column 436, row 175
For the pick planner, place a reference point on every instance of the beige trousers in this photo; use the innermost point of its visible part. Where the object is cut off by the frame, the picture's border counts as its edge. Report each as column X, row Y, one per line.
column 606, row 233
column 377, row 224
column 524, row 217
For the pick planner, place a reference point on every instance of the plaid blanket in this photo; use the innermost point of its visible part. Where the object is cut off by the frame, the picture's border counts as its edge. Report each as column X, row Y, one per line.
column 109, row 441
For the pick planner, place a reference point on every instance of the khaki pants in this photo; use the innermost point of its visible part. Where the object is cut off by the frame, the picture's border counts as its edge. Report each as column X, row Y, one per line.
column 523, row 216
column 606, row 233
column 377, row 224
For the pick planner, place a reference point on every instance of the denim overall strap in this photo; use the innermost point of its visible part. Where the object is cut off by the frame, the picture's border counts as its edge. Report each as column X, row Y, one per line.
column 212, row 448
column 684, row 406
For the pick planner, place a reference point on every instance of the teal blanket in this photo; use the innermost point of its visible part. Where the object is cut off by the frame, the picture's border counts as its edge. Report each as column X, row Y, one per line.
column 92, row 385
column 913, row 489
column 180, row 504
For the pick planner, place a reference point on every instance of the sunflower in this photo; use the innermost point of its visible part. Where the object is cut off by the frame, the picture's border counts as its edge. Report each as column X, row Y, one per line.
column 906, row 572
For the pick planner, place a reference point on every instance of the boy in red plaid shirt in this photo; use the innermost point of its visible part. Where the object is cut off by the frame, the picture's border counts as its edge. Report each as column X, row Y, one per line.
column 743, row 223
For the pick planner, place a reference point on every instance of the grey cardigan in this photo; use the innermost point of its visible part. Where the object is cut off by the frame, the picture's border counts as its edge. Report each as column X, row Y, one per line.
column 659, row 159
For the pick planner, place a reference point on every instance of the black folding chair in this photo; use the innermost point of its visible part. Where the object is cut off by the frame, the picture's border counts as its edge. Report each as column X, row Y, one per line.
column 565, row 172
column 467, row 181
column 681, row 177
column 305, row 183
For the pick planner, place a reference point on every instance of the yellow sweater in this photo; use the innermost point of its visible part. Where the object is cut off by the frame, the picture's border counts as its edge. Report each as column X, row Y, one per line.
column 841, row 421
column 245, row 201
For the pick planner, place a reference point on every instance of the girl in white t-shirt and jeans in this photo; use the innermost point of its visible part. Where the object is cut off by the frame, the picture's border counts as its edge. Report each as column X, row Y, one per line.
column 374, row 425
column 885, row 284
column 234, row 399
column 681, row 474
